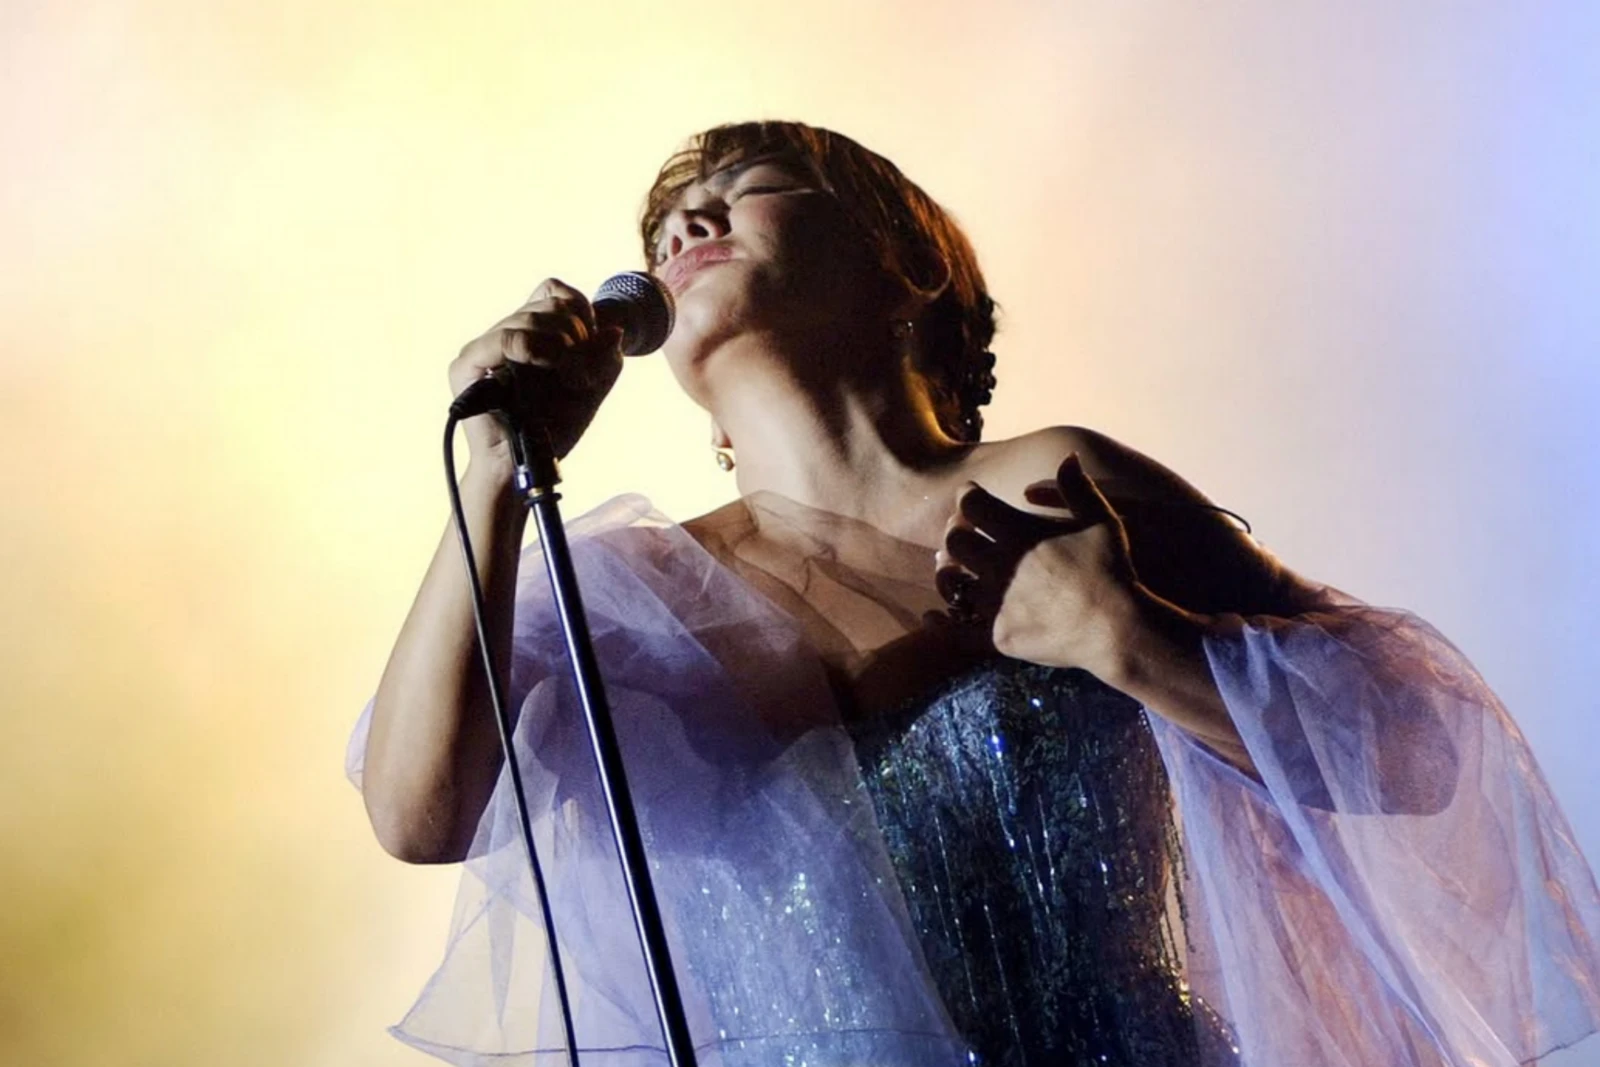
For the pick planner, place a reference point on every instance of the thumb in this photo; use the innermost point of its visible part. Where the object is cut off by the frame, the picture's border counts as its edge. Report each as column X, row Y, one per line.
column 1088, row 504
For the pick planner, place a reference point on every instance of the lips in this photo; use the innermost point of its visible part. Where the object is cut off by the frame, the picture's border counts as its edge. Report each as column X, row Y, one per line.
column 686, row 263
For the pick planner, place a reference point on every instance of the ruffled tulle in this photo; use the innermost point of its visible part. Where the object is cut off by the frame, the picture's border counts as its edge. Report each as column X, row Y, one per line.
column 783, row 914
column 1398, row 888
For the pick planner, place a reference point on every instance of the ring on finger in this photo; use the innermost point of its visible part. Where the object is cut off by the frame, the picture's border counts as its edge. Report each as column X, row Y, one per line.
column 961, row 594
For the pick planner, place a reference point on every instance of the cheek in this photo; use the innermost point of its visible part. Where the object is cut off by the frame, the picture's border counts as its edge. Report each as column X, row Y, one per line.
column 810, row 240
column 825, row 276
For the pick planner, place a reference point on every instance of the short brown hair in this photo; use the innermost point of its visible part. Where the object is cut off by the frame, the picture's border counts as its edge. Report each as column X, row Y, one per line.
column 913, row 237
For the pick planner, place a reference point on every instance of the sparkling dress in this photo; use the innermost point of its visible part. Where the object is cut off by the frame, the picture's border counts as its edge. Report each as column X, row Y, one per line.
column 1026, row 813
column 1020, row 867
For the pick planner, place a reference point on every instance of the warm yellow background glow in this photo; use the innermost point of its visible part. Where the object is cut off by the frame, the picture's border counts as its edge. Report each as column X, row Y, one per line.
column 1328, row 265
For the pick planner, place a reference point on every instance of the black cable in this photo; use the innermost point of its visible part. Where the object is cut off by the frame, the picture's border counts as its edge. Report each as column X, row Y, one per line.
column 1189, row 504
column 503, row 722
column 1213, row 507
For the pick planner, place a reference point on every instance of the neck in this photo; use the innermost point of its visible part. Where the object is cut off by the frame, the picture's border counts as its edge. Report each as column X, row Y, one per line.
column 870, row 450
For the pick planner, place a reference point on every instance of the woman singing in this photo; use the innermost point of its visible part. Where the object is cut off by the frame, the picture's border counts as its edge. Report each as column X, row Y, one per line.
column 948, row 751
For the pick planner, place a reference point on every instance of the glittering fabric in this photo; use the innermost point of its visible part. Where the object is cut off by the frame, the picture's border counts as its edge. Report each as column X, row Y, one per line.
column 1027, row 815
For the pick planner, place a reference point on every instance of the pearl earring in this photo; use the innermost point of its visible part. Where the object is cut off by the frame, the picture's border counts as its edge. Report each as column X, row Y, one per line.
column 719, row 447
column 900, row 329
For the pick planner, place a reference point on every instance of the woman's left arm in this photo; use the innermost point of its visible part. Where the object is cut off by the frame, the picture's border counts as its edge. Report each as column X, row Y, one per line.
column 1135, row 577
column 1064, row 591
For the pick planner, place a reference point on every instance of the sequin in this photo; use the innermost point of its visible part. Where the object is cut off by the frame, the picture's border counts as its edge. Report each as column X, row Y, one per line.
column 1026, row 811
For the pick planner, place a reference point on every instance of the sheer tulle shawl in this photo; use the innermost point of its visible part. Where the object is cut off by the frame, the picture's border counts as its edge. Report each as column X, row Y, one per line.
column 1399, row 887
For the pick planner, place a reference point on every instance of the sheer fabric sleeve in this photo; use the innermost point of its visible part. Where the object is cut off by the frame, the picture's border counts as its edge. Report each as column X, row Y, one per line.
column 1400, row 886
column 787, row 928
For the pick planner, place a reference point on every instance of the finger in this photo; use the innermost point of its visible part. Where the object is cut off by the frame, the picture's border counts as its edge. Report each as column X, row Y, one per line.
column 555, row 340
column 550, row 333
column 948, row 576
column 1045, row 495
column 957, row 586
column 542, row 347
column 989, row 513
column 547, row 316
column 1080, row 492
column 553, row 289
column 955, row 522
column 972, row 550
column 553, row 294
column 595, row 366
column 572, row 319
column 519, row 343
column 971, row 600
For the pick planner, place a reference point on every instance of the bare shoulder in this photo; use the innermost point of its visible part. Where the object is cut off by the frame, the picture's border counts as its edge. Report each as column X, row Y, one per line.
column 1123, row 473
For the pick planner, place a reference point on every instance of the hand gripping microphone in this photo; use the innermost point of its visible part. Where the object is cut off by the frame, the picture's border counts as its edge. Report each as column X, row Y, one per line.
column 636, row 303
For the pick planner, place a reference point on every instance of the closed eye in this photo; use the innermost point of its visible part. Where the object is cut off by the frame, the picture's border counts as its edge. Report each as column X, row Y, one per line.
column 736, row 193
column 747, row 190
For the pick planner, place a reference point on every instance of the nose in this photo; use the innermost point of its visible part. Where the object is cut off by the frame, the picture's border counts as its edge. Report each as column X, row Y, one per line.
column 689, row 226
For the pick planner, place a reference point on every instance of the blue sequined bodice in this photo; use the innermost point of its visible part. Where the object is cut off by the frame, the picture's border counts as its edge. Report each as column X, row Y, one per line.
column 1027, row 815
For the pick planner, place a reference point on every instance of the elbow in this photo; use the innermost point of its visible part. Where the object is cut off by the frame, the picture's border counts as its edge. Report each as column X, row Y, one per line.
column 1420, row 768
column 419, row 849
column 425, row 811
column 414, row 835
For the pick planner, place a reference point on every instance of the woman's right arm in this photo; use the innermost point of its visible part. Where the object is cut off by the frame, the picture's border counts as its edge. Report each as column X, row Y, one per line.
column 433, row 751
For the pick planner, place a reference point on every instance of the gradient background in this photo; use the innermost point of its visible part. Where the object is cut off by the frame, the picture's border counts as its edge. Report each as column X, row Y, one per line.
column 1337, row 264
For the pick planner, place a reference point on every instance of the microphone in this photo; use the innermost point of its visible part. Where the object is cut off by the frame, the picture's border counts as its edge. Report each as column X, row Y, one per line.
column 641, row 305
column 638, row 304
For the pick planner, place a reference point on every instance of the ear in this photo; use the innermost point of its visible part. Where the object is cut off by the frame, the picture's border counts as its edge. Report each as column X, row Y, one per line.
column 719, row 436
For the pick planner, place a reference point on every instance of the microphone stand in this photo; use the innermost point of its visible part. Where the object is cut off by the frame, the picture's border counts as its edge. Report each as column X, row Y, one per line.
column 536, row 478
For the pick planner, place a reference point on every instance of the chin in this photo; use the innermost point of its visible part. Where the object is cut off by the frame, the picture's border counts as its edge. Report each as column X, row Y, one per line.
column 690, row 347
column 704, row 320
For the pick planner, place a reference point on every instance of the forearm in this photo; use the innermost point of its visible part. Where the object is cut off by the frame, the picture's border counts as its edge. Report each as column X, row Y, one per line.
column 433, row 751
column 1159, row 660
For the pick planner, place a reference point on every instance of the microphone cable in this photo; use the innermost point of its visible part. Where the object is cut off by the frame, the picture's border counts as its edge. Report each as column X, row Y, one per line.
column 503, row 722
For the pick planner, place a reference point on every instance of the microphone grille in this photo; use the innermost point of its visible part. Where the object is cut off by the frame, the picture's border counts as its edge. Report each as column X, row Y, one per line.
column 645, row 310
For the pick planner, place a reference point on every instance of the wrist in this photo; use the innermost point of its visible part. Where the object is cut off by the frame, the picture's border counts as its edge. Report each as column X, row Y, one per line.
column 1153, row 634
column 489, row 485
column 489, row 471
column 1163, row 665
